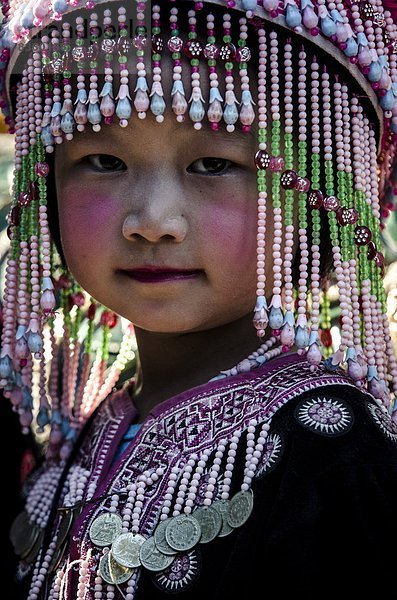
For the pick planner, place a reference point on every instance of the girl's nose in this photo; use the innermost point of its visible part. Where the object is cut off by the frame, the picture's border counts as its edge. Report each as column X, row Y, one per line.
column 152, row 227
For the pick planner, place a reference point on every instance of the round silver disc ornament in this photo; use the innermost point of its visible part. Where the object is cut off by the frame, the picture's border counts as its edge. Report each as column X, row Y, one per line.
column 105, row 529
column 183, row 532
column 160, row 541
column 222, row 506
column 151, row 557
column 112, row 572
column 210, row 521
column 126, row 548
column 240, row 508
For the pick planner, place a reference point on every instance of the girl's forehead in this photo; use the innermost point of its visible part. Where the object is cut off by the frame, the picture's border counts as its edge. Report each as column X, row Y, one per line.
column 167, row 139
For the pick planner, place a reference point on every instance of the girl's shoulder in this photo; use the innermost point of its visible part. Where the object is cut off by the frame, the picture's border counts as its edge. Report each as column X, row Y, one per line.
column 332, row 429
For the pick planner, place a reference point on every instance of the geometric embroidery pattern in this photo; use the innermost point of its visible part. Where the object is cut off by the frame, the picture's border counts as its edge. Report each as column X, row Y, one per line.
column 329, row 417
column 181, row 574
column 384, row 422
column 272, row 450
column 187, row 427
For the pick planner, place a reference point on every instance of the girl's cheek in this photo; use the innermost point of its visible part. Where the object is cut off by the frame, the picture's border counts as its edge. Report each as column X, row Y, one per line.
column 230, row 227
column 85, row 211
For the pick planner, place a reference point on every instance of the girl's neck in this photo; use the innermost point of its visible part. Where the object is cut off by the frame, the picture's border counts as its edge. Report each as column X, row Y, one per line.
column 172, row 363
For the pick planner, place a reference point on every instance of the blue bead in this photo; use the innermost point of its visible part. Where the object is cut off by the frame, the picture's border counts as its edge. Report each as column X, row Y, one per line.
column 351, row 47
column 375, row 71
column 94, row 114
column 157, row 105
column 276, row 318
column 388, row 100
column 123, row 108
column 248, row 4
column 293, row 17
column 67, row 123
column 328, row 26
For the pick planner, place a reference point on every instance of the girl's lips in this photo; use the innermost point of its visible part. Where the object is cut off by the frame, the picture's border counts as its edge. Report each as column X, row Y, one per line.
column 154, row 275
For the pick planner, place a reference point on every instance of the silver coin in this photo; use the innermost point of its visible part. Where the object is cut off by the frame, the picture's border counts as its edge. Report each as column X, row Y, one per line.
column 125, row 549
column 160, row 541
column 222, row 506
column 210, row 521
column 112, row 572
column 105, row 529
column 151, row 557
column 30, row 541
column 21, row 525
column 240, row 508
column 64, row 527
column 23, row 534
column 183, row 532
column 31, row 556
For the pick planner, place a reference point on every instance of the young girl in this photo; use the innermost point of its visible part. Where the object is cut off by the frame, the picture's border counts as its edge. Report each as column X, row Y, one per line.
column 238, row 152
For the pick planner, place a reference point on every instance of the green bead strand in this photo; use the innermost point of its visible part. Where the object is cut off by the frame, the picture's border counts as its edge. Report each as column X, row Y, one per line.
column 302, row 197
column 261, row 173
column 275, row 148
column 289, row 194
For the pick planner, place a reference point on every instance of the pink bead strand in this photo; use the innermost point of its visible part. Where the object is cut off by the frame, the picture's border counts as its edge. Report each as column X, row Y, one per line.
column 195, row 481
column 141, row 101
column 80, row 113
column 380, row 350
column 213, row 475
column 157, row 91
column 353, row 266
column 94, row 118
column 256, row 454
column 230, row 97
column 175, row 44
column 138, row 504
column 11, row 274
column 170, row 491
column 247, row 113
column 302, row 308
column 117, row 365
column 261, row 318
column 346, row 310
column 132, row 585
column 183, row 485
column 87, row 400
column 67, row 107
column 230, row 463
column 289, row 229
column 314, row 354
column 55, row 122
column 196, row 101
column 336, row 251
column 278, row 224
column 48, row 97
column 124, row 73
column 250, row 444
column 128, row 507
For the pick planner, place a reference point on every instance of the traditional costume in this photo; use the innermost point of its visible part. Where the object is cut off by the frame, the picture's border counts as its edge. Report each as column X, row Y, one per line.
column 286, row 462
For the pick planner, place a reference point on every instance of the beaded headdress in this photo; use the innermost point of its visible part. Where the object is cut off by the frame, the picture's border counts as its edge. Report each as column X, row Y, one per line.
column 324, row 103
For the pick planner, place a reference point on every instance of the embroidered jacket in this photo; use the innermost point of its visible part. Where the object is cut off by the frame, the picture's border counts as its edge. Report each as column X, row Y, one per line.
column 291, row 477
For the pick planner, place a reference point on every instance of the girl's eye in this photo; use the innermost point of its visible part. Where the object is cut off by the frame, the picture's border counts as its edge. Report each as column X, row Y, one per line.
column 210, row 166
column 105, row 162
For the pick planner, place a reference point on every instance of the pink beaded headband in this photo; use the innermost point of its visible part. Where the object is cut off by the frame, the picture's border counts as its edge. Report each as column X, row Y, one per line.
column 315, row 134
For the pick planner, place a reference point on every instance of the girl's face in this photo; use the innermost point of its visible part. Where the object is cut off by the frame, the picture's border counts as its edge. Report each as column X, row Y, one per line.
column 162, row 196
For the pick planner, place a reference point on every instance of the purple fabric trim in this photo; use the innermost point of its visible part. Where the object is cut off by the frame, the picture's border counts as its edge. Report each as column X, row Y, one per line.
column 180, row 426
column 212, row 386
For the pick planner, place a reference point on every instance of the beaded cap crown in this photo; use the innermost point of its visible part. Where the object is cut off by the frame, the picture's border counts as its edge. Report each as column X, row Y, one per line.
column 317, row 80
